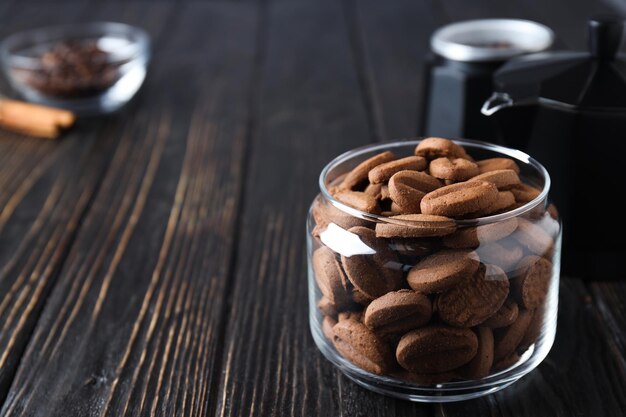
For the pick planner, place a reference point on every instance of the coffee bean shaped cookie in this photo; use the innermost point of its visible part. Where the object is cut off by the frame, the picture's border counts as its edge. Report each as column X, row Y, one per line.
column 350, row 315
column 503, row 203
column 415, row 225
column 384, row 172
column 413, row 247
column 442, row 270
column 359, row 200
column 507, row 339
column 326, row 307
column 480, row 365
column 504, row 255
column 504, row 179
column 473, row 301
column 524, row 193
column 530, row 287
column 457, row 169
column 398, row 312
column 360, row 298
column 459, row 199
column 330, row 277
column 433, row 148
column 533, row 332
column 358, row 344
column 533, row 237
column 436, row 349
column 494, row 164
column 505, row 316
column 375, row 190
column 326, row 213
column 359, row 174
column 506, row 362
column 327, row 327
column 472, row 237
column 407, row 188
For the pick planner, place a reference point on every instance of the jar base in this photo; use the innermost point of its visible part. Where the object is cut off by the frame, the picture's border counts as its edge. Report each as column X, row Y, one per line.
column 435, row 393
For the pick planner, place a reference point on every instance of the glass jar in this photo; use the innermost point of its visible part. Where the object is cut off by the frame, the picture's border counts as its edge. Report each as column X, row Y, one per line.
column 483, row 318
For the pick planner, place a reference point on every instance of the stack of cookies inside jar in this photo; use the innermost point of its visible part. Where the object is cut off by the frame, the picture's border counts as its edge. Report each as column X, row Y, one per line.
column 434, row 267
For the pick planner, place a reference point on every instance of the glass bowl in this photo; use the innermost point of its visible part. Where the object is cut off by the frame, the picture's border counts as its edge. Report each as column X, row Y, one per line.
column 87, row 68
column 375, row 315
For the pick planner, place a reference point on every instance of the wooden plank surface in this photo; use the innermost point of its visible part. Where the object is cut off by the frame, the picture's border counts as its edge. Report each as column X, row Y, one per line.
column 154, row 260
column 132, row 326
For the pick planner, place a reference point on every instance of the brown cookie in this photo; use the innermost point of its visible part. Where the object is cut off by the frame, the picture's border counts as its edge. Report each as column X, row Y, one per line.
column 413, row 247
column 350, row 315
column 503, row 203
column 415, row 225
column 436, row 349
column 433, row 148
column 480, row 365
column 506, row 362
column 327, row 307
column 375, row 190
column 457, row 169
column 326, row 213
column 504, row 179
column 383, row 172
column 504, row 254
column 473, row 301
column 533, row 332
column 533, row 237
column 494, row 164
column 358, row 344
column 442, row 270
column 360, row 298
column 407, row 188
column 330, row 278
column 398, row 312
column 459, row 199
column 472, row 237
column 524, row 193
column 532, row 280
column 327, row 327
column 505, row 316
column 507, row 339
column 359, row 174
column 359, row 200
column 384, row 192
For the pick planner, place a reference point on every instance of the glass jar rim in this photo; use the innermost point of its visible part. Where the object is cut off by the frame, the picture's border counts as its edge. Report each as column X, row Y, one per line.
column 517, row 155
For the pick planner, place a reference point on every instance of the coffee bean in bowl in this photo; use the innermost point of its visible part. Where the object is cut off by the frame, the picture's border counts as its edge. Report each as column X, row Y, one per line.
column 434, row 267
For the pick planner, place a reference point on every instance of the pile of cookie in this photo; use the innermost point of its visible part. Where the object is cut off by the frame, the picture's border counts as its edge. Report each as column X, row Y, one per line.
column 432, row 301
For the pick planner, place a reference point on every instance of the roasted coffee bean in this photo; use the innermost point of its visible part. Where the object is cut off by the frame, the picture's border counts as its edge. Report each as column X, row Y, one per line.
column 330, row 278
column 358, row 344
column 480, row 365
column 457, row 169
column 472, row 237
column 359, row 174
column 494, row 164
column 436, row 349
column 407, row 188
column 505, row 316
column 415, row 225
column 459, row 199
column 507, row 339
column 530, row 287
column 359, row 200
column 433, row 148
column 398, row 312
column 504, row 179
column 442, row 270
column 473, row 301
column 384, row 172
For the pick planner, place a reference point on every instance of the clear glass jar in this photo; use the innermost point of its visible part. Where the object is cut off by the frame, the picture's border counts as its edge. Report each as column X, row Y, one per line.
column 429, row 343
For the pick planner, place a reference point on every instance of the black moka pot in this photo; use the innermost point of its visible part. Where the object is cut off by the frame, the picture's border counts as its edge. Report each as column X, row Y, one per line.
column 568, row 110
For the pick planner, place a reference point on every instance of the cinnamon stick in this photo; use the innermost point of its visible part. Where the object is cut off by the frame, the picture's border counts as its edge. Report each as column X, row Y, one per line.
column 34, row 119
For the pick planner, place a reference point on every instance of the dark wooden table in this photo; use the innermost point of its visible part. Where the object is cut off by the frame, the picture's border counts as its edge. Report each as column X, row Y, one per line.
column 152, row 262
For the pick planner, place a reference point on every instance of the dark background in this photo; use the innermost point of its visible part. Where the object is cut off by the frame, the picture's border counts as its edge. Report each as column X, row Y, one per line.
column 152, row 262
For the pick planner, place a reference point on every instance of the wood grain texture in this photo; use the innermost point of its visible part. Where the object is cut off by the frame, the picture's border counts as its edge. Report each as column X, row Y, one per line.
column 132, row 326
